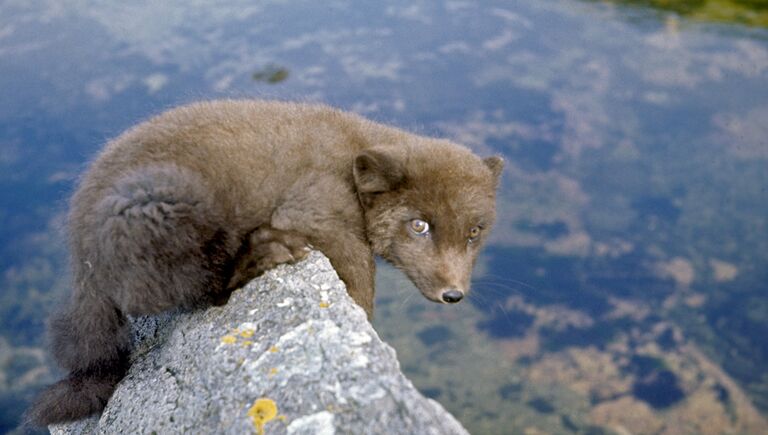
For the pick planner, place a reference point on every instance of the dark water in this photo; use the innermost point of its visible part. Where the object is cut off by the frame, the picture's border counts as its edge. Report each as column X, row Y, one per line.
column 632, row 216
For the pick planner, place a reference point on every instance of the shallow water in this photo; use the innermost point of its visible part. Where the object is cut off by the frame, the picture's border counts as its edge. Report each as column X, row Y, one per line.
column 624, row 288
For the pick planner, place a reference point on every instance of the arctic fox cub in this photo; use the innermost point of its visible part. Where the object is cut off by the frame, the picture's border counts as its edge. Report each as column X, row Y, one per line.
column 190, row 205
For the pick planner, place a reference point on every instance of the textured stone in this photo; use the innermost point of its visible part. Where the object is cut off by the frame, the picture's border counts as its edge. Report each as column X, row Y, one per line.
column 293, row 336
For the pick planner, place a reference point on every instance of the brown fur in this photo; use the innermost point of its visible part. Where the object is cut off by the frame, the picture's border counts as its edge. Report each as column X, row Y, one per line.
column 186, row 207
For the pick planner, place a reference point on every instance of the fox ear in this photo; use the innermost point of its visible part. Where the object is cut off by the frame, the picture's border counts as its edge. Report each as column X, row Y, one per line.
column 378, row 170
column 496, row 165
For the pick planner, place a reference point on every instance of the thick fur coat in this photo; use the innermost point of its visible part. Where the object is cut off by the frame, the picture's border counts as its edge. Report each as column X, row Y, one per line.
column 181, row 210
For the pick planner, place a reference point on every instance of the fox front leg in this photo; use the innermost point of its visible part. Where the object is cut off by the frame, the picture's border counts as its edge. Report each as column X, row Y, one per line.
column 352, row 259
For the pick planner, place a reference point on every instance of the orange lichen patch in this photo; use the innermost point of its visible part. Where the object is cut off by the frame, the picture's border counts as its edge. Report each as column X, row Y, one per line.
column 324, row 304
column 273, row 349
column 262, row 411
column 238, row 334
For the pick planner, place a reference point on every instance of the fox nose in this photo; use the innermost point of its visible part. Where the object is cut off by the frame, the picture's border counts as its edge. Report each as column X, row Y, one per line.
column 452, row 296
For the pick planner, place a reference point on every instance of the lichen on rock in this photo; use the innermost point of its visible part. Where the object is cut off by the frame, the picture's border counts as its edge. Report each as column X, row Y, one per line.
column 292, row 337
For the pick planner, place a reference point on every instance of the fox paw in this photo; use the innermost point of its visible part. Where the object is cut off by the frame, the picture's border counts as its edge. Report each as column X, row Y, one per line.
column 265, row 248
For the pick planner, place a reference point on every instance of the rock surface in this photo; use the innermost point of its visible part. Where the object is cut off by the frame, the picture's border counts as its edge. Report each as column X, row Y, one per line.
column 292, row 336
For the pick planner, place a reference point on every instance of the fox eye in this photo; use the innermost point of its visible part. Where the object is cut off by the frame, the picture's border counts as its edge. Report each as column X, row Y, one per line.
column 474, row 234
column 419, row 227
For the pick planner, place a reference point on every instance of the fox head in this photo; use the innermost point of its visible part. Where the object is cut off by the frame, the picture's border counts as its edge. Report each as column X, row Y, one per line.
column 428, row 209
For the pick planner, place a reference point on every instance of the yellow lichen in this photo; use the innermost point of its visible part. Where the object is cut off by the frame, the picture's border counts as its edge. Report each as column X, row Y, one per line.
column 229, row 339
column 262, row 411
column 324, row 304
column 246, row 343
column 273, row 349
column 273, row 371
column 248, row 333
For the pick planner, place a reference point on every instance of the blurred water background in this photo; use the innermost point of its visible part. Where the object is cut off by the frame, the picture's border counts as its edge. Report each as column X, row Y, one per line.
column 624, row 290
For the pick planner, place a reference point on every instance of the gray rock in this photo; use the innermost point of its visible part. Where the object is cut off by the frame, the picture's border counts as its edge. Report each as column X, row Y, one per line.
column 293, row 336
